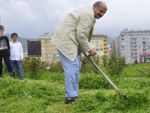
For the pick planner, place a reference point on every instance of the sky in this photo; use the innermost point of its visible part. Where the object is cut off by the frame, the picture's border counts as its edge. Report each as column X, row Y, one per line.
column 32, row 18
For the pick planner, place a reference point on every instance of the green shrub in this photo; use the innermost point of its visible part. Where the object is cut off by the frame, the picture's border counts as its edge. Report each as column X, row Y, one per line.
column 92, row 81
column 135, row 62
column 56, row 67
column 105, row 60
column 144, row 71
column 115, row 65
column 34, row 67
column 87, row 67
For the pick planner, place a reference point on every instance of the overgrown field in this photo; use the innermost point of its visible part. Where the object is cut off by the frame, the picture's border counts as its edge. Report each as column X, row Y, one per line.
column 46, row 94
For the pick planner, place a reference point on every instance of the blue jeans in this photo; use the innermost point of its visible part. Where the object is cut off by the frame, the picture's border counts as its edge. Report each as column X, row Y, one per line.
column 72, row 75
column 17, row 67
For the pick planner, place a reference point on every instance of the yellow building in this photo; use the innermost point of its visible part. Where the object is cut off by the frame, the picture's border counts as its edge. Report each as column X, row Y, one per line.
column 101, row 44
column 50, row 54
column 48, row 51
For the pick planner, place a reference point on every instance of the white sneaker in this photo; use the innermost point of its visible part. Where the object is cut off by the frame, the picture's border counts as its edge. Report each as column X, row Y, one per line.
column 0, row 78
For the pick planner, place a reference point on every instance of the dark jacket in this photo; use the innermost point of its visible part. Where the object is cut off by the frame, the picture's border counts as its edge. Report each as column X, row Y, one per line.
column 4, row 46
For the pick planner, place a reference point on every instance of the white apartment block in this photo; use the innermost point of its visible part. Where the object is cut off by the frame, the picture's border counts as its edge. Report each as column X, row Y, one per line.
column 131, row 44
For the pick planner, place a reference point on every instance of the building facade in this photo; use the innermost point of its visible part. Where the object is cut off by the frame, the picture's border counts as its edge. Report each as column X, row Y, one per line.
column 50, row 54
column 48, row 50
column 134, row 44
column 101, row 44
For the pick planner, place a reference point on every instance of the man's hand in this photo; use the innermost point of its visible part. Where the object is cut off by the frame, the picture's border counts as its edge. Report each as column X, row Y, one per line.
column 92, row 52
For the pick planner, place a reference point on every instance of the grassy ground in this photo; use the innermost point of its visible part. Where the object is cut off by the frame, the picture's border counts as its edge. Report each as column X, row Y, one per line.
column 46, row 95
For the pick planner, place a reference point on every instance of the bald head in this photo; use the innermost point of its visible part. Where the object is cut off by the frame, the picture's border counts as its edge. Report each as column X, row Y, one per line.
column 100, row 9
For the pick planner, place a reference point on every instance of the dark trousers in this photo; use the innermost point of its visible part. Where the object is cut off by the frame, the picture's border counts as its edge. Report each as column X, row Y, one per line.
column 7, row 63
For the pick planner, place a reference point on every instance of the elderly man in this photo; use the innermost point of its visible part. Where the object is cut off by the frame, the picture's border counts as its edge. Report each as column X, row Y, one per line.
column 74, row 33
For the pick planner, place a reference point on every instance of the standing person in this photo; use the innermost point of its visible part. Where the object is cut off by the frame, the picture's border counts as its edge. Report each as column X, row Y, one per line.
column 16, row 57
column 4, row 51
column 75, row 30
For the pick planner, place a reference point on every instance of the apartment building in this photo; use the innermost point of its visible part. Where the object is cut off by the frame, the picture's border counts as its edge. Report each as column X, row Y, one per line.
column 49, row 52
column 101, row 44
column 134, row 46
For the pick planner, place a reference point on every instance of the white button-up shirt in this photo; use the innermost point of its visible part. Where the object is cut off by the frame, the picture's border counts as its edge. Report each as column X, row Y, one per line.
column 16, row 51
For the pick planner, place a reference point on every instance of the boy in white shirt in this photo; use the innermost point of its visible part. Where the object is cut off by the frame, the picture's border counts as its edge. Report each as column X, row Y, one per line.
column 16, row 56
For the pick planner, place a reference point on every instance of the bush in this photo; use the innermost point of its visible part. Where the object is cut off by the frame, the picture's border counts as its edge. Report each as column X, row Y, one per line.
column 105, row 60
column 144, row 71
column 135, row 62
column 56, row 67
column 87, row 67
column 115, row 65
column 93, row 81
column 34, row 66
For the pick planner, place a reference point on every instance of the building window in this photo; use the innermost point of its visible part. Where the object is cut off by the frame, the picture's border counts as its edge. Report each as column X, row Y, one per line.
column 144, row 42
column 122, row 35
column 144, row 50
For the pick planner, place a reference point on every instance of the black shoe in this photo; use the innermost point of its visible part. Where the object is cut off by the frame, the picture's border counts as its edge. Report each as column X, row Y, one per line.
column 70, row 100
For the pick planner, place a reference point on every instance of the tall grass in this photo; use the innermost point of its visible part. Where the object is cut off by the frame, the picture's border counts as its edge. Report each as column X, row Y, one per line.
column 46, row 94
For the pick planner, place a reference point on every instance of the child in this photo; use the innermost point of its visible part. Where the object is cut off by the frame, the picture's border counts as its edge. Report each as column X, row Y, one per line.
column 16, row 57
column 4, row 51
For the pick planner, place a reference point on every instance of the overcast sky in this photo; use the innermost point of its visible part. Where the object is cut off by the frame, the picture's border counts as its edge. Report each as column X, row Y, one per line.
column 32, row 18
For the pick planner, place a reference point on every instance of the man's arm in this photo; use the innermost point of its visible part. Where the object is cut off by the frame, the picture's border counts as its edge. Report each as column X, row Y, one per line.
column 83, row 29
